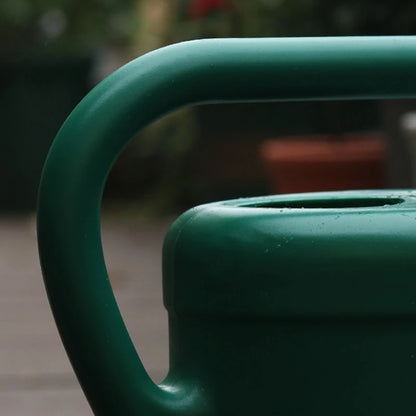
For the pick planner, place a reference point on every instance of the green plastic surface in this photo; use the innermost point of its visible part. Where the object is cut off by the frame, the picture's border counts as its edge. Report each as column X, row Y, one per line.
column 288, row 305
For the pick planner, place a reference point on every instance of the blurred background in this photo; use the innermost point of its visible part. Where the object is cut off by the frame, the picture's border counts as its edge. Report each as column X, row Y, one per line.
column 52, row 53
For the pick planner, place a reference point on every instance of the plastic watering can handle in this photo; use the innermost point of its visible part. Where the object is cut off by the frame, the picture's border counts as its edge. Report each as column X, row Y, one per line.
column 221, row 70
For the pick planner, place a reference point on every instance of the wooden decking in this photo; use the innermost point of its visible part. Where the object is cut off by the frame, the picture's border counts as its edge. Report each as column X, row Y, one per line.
column 36, row 378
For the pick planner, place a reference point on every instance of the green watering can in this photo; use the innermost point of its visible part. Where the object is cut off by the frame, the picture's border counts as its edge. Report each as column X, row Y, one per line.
column 299, row 304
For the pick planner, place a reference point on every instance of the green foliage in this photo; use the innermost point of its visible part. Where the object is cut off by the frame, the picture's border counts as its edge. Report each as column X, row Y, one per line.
column 254, row 18
column 80, row 25
column 68, row 26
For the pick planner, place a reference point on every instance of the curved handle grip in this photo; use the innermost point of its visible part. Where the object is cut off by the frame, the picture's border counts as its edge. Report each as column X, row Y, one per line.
column 95, row 133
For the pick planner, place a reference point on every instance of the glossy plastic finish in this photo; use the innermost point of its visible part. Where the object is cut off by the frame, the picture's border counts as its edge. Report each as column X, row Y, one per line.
column 272, row 310
column 296, row 304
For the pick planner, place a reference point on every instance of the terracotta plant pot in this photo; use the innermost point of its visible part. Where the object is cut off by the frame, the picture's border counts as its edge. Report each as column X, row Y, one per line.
column 324, row 163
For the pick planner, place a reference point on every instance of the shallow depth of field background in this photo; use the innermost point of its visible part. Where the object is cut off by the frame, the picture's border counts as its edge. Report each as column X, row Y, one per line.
column 51, row 54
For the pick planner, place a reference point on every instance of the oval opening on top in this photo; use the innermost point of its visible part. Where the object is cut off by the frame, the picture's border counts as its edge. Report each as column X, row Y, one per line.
column 332, row 203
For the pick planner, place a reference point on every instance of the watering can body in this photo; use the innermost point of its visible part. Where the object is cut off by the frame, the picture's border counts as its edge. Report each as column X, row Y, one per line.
column 282, row 305
column 299, row 304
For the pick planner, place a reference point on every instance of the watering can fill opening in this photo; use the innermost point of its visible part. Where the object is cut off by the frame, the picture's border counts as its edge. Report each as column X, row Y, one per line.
column 330, row 203
column 333, row 254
